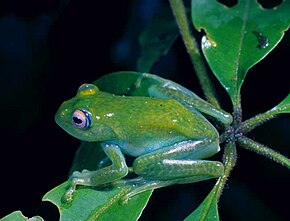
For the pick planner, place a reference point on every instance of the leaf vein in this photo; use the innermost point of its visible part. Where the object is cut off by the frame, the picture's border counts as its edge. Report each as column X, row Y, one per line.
column 245, row 20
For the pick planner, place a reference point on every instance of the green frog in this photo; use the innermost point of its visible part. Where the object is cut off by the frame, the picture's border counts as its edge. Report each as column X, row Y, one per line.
column 165, row 132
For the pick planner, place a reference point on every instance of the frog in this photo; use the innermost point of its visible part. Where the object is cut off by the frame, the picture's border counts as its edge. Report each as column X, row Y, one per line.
column 166, row 133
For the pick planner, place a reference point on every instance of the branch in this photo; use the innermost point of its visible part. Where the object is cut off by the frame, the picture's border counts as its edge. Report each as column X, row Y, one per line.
column 263, row 150
column 258, row 120
column 179, row 13
column 229, row 160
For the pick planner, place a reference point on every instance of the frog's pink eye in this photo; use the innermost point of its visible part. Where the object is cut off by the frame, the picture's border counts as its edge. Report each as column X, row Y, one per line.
column 81, row 119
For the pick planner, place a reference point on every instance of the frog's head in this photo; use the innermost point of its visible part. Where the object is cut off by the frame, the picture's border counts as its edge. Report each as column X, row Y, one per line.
column 76, row 116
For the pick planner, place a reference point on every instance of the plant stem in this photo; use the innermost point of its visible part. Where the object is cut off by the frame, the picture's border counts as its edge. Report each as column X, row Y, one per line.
column 258, row 120
column 263, row 150
column 229, row 160
column 179, row 13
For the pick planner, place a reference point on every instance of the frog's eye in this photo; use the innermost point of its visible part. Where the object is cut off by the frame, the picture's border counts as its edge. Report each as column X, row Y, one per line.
column 81, row 119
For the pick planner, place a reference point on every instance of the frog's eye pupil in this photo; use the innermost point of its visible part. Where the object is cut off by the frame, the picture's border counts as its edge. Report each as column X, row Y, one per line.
column 77, row 120
column 81, row 119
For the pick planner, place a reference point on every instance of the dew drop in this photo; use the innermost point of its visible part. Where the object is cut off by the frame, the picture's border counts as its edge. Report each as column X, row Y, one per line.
column 207, row 43
column 227, row 89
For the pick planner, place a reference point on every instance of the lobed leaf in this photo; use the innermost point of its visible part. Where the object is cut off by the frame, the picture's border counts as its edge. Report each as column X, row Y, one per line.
column 18, row 216
column 92, row 204
column 238, row 37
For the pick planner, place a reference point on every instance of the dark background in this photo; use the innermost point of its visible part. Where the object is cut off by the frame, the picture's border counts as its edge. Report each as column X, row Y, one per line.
column 49, row 48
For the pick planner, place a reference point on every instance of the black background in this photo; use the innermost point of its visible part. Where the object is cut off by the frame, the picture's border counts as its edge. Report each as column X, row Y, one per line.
column 47, row 50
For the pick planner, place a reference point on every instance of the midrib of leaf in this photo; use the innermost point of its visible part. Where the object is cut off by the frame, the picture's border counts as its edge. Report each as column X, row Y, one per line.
column 245, row 19
column 99, row 211
column 208, row 206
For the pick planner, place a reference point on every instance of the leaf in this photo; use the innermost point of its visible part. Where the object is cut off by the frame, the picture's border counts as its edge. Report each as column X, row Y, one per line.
column 121, row 82
column 91, row 204
column 156, row 40
column 284, row 106
column 18, row 216
column 238, row 37
column 88, row 156
column 207, row 210
column 124, row 83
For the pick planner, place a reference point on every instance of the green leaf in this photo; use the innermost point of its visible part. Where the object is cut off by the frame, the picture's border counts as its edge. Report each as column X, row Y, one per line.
column 284, row 106
column 207, row 210
column 88, row 155
column 92, row 204
column 121, row 82
column 18, row 216
column 238, row 37
column 156, row 40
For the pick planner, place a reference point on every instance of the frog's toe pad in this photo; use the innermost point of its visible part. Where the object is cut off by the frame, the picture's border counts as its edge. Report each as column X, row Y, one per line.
column 68, row 196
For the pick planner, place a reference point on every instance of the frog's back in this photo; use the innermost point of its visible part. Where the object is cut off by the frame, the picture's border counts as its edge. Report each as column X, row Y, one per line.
column 143, row 114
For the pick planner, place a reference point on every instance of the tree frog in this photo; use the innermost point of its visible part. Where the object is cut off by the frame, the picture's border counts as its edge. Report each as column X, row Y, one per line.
column 165, row 133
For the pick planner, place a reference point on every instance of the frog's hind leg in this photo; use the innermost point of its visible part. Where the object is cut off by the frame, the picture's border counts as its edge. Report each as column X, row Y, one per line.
column 140, row 184
column 177, row 164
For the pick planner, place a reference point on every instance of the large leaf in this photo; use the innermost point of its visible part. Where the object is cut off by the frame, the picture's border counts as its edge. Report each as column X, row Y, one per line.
column 207, row 210
column 18, row 216
column 284, row 106
column 156, row 40
column 238, row 37
column 92, row 204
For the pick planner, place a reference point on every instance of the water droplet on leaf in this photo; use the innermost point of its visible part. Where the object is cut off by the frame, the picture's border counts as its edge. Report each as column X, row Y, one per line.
column 207, row 43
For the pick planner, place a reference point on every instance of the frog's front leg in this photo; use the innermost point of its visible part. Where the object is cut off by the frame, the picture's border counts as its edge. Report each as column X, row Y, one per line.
column 115, row 171
column 177, row 164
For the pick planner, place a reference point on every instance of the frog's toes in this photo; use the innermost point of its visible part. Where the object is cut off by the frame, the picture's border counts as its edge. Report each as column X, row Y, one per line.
column 124, row 200
column 85, row 171
column 139, row 80
column 76, row 174
column 68, row 196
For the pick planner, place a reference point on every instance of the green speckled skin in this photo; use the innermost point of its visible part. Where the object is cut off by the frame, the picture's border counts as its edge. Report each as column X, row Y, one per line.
column 168, row 140
column 144, row 123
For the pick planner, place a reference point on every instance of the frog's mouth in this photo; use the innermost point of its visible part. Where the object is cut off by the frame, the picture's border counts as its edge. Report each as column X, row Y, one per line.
column 66, row 125
column 63, row 119
column 97, row 132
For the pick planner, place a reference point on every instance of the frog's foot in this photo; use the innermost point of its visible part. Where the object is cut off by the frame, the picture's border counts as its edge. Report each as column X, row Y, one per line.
column 77, row 178
column 68, row 196
column 139, row 185
column 139, row 80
